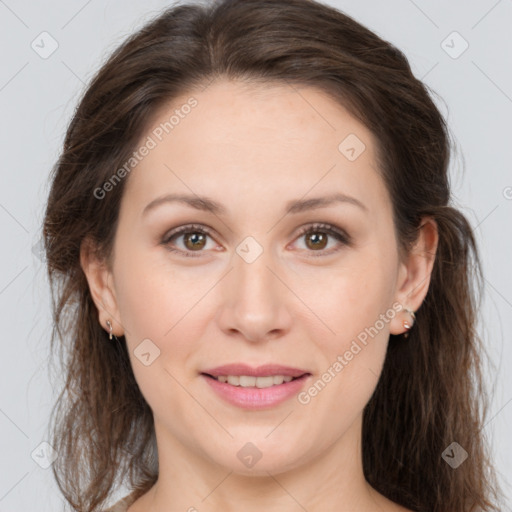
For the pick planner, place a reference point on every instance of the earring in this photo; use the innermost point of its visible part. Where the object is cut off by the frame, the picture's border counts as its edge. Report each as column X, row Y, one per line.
column 109, row 325
column 408, row 325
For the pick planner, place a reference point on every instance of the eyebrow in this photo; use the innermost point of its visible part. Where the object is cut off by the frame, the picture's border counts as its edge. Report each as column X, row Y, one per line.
column 292, row 207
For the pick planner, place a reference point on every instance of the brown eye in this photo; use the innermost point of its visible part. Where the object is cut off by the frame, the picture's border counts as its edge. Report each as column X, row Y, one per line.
column 189, row 240
column 316, row 240
column 194, row 240
column 323, row 239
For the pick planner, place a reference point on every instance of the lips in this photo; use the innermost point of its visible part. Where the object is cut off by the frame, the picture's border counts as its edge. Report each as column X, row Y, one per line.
column 239, row 369
column 250, row 388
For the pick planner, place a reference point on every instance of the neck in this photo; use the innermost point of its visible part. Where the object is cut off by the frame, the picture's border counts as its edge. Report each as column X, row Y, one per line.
column 330, row 479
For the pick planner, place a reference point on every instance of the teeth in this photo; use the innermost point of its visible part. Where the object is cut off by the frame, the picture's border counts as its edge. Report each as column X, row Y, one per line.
column 246, row 381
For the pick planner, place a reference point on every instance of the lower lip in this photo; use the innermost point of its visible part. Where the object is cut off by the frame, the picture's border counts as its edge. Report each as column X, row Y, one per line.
column 257, row 398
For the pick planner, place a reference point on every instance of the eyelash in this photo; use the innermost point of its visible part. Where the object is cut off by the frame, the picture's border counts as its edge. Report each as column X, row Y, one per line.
column 321, row 227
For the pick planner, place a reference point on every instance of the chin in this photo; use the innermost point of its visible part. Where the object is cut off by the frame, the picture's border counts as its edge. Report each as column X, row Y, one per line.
column 259, row 467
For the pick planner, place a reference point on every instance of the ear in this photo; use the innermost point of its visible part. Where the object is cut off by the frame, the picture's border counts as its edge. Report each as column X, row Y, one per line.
column 414, row 274
column 99, row 276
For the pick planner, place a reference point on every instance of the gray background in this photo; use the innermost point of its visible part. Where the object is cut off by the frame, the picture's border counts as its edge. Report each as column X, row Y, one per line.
column 37, row 98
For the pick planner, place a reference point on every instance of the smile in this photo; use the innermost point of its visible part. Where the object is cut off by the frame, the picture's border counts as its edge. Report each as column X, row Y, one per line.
column 248, row 381
column 255, row 393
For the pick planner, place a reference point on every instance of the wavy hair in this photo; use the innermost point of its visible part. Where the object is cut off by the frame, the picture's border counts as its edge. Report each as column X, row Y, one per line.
column 431, row 390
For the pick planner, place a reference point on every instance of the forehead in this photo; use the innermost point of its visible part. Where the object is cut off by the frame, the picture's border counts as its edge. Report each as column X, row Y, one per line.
column 235, row 139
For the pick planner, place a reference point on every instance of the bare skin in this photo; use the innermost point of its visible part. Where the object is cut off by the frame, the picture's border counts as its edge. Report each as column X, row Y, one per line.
column 300, row 304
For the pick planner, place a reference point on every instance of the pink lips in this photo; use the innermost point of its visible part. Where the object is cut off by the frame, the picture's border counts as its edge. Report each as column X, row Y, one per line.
column 260, row 371
column 254, row 398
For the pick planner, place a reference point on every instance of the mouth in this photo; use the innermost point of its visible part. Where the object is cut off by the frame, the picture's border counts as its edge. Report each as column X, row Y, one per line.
column 255, row 389
column 251, row 381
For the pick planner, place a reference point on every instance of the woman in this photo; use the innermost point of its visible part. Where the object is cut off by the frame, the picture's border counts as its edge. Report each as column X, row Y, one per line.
column 266, row 295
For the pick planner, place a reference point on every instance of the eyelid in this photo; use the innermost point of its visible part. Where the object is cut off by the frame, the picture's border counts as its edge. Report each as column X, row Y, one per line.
column 325, row 227
column 186, row 228
column 201, row 228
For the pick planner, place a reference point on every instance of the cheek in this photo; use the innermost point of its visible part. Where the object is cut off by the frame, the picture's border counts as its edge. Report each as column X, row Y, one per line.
column 348, row 370
column 153, row 297
column 349, row 298
column 164, row 304
column 354, row 304
column 159, row 311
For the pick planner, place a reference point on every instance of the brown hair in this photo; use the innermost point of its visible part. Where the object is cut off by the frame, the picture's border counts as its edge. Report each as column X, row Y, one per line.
column 431, row 390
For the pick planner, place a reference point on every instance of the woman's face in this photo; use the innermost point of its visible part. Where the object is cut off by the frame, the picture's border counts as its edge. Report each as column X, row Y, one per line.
column 291, row 261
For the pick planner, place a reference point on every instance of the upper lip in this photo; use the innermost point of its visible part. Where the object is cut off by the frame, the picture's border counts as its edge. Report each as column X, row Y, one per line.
column 260, row 371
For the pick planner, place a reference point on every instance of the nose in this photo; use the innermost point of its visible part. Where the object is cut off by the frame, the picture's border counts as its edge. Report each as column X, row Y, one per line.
column 255, row 304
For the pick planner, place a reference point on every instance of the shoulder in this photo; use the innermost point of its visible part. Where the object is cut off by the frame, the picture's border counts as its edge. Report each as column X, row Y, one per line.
column 386, row 505
column 398, row 508
column 122, row 505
